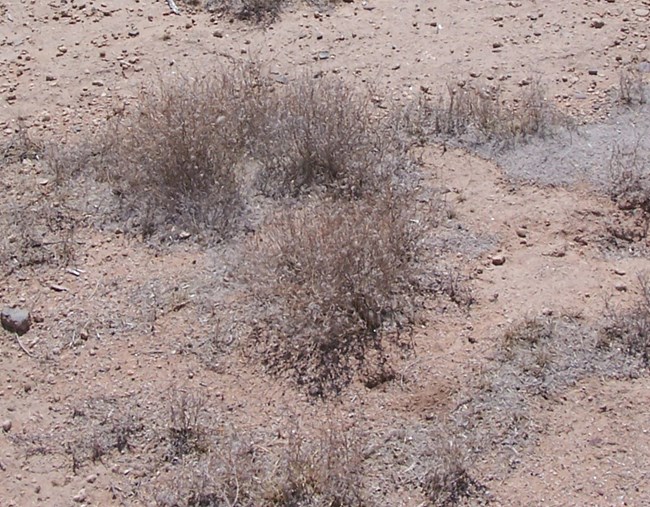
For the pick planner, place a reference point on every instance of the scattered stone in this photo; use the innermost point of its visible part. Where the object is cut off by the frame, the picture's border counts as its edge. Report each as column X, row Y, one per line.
column 593, row 72
column 16, row 320
column 6, row 426
column 621, row 287
column 58, row 288
column 597, row 23
column 522, row 233
column 98, row 82
column 619, row 271
column 642, row 13
column 323, row 55
column 80, row 497
column 218, row 34
column 498, row 260
column 91, row 478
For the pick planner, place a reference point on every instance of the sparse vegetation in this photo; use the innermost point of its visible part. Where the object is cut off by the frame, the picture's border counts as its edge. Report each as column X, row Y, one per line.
column 629, row 187
column 324, row 135
column 631, row 89
column 338, row 282
column 630, row 328
column 475, row 116
column 317, row 470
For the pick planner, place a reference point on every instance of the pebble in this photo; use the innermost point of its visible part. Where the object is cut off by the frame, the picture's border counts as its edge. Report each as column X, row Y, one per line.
column 498, row 260
column 80, row 497
column 6, row 426
column 16, row 320
column 621, row 287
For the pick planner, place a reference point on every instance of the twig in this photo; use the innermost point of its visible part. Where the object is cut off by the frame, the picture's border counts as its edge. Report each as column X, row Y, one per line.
column 22, row 346
column 173, row 7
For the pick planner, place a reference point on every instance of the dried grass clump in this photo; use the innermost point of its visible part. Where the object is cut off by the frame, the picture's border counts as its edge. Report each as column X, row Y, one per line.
column 319, row 470
column 322, row 134
column 248, row 10
column 177, row 160
column 475, row 116
column 631, row 328
column 337, row 283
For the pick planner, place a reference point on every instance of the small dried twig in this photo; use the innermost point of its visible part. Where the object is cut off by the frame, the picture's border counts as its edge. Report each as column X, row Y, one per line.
column 22, row 346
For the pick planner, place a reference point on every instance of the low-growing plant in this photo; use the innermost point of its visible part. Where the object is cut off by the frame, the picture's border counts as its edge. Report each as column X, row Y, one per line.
column 631, row 327
column 248, row 10
column 338, row 284
column 321, row 133
column 631, row 89
column 475, row 116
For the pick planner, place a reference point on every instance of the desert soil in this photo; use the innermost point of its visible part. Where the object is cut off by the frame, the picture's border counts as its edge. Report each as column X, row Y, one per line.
column 122, row 325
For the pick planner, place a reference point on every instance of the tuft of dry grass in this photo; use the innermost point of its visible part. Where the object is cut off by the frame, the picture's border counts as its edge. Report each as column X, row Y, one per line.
column 310, row 470
column 323, row 135
column 631, row 328
column 248, row 10
column 629, row 186
column 631, row 89
column 337, row 284
column 476, row 116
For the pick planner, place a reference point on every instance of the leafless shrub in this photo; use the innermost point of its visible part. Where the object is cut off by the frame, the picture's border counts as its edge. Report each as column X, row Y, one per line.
column 476, row 116
column 629, row 187
column 631, row 327
column 321, row 133
column 37, row 233
column 245, row 470
column 176, row 160
column 20, row 146
column 319, row 472
column 338, row 282
column 447, row 480
column 187, row 431
column 631, row 89
column 248, row 10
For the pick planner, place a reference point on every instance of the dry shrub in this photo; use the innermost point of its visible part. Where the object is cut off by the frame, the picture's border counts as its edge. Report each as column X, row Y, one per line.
column 248, row 10
column 20, row 146
column 337, row 283
column 321, row 133
column 319, row 472
column 629, row 186
column 475, row 116
column 631, row 90
column 187, row 427
column 631, row 327
column 177, row 158
column 247, row 470
column 447, row 480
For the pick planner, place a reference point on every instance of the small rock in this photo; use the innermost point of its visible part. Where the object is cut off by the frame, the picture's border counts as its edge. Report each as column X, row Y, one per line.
column 6, row 426
column 522, row 233
column 498, row 260
column 98, row 82
column 80, row 497
column 597, row 23
column 642, row 13
column 323, row 55
column 619, row 271
column 593, row 72
column 91, row 478
column 621, row 287
column 16, row 320
column 218, row 34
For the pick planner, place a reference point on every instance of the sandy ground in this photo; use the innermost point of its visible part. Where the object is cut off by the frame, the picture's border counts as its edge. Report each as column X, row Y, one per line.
column 112, row 340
